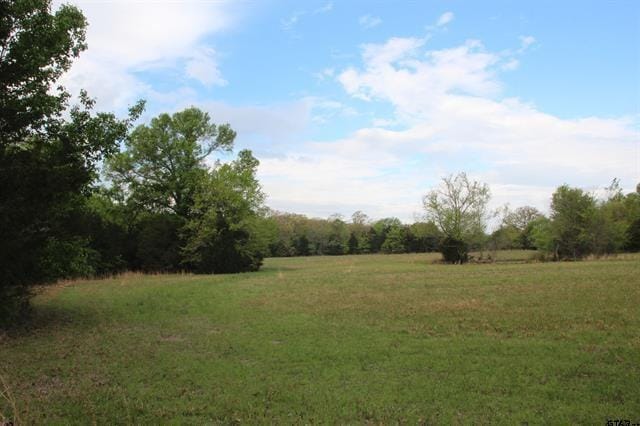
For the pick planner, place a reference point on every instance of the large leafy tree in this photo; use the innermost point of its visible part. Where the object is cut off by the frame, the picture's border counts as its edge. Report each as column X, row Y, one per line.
column 47, row 158
column 459, row 208
column 163, row 162
column 186, row 215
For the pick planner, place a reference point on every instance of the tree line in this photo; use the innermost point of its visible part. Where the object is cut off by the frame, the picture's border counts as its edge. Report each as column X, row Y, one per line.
column 456, row 221
column 297, row 235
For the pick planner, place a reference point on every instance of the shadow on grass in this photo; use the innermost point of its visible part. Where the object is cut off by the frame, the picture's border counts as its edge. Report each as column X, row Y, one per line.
column 44, row 318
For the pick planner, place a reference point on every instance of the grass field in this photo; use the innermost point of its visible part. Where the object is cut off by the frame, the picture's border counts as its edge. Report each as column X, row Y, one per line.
column 352, row 339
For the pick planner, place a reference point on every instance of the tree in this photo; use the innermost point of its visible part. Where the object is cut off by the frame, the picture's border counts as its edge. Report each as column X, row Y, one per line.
column 459, row 209
column 632, row 214
column 163, row 162
column 47, row 159
column 359, row 218
column 302, row 246
column 225, row 233
column 423, row 237
column 352, row 243
column 395, row 240
column 37, row 48
column 572, row 218
column 337, row 238
column 542, row 235
column 519, row 220
column 379, row 230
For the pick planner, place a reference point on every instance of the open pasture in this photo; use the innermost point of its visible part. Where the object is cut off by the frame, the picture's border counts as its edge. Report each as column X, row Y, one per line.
column 350, row 339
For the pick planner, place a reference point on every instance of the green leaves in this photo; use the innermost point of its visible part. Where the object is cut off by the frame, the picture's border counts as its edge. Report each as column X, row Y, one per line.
column 459, row 207
column 36, row 47
column 225, row 232
column 163, row 162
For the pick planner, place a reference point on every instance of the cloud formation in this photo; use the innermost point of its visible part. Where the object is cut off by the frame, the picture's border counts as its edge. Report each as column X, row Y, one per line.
column 126, row 38
column 449, row 116
column 444, row 19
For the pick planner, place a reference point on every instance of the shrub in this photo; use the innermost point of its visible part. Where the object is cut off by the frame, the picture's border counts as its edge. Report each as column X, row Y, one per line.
column 454, row 251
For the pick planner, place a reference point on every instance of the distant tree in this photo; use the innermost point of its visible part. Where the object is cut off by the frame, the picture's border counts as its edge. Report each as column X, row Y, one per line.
column 516, row 224
column 395, row 240
column 302, row 246
column 505, row 237
column 337, row 237
column 459, row 209
column 364, row 243
column 423, row 237
column 353, row 244
column 632, row 213
column 632, row 242
column 379, row 230
column 572, row 216
column 359, row 218
column 542, row 236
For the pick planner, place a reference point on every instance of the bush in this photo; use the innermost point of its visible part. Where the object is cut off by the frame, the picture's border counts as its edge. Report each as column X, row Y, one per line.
column 454, row 251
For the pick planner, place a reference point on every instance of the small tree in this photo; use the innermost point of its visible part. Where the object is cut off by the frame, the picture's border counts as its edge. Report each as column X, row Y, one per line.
column 573, row 214
column 395, row 241
column 520, row 220
column 459, row 209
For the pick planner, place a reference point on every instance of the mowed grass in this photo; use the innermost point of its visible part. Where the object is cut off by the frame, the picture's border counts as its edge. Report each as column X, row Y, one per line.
column 352, row 339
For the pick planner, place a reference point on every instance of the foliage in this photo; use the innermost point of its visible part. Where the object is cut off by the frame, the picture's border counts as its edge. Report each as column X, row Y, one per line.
column 163, row 162
column 224, row 233
column 158, row 243
column 633, row 236
column 517, row 226
column 454, row 251
column 48, row 159
column 352, row 244
column 459, row 209
column 581, row 225
column 542, row 235
column 395, row 241
column 423, row 237
column 572, row 215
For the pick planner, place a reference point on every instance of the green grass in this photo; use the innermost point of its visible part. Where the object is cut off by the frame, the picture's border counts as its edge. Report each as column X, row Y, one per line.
column 350, row 339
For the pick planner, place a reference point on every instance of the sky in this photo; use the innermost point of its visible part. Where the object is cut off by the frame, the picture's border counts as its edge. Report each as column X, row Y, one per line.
column 366, row 105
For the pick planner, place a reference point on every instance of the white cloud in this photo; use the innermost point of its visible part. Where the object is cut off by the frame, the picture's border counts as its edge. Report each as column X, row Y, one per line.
column 204, row 68
column 127, row 37
column 449, row 117
column 444, row 19
column 263, row 127
column 396, row 72
column 368, row 21
column 526, row 41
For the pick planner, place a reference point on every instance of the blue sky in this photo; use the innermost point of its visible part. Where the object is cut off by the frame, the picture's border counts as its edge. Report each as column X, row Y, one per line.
column 359, row 105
